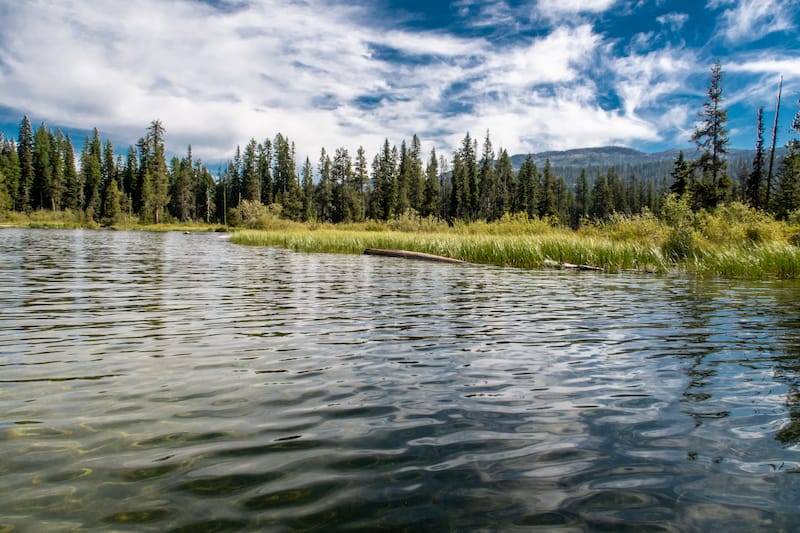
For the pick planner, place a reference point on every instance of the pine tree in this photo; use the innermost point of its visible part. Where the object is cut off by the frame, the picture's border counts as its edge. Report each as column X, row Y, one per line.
column 506, row 181
column 309, row 210
column 416, row 182
column 681, row 175
column 361, row 177
column 182, row 198
column 324, row 192
column 403, row 203
column 582, row 199
column 602, row 203
column 432, row 196
column 42, row 169
column 787, row 199
column 548, row 200
column 154, row 173
column 57, row 184
column 487, row 182
column 25, row 155
column 251, row 181
column 264, row 171
column 91, row 175
column 9, row 175
column 711, row 136
column 529, row 187
column 73, row 186
column 752, row 187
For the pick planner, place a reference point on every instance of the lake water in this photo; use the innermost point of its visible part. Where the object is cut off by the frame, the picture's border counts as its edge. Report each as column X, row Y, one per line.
column 171, row 382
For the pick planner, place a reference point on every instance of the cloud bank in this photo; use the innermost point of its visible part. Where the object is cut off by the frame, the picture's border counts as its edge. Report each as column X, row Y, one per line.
column 329, row 74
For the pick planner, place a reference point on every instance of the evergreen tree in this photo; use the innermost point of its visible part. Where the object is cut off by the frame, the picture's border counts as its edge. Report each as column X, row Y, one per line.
column 309, row 210
column 129, row 180
column 111, row 206
column 205, row 192
column 25, row 156
column 506, row 184
column 73, row 186
column 264, row 171
column 324, row 193
column 416, row 181
column 57, row 184
column 487, row 182
column 582, row 200
column 384, row 177
column 157, row 169
column 617, row 191
column 681, row 175
column 548, row 200
column 108, row 170
column 285, row 179
column 361, row 177
column 91, row 174
column 345, row 198
column 251, row 181
column 183, row 195
column 787, row 199
column 42, row 169
column 602, row 202
column 753, row 185
column 529, row 186
column 711, row 136
column 432, row 197
column 9, row 175
column 403, row 203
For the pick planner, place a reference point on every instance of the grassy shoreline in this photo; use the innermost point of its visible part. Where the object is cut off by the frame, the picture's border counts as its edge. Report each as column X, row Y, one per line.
column 732, row 242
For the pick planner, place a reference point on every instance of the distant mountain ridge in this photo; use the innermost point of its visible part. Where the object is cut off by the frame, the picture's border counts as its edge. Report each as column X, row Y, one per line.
column 627, row 161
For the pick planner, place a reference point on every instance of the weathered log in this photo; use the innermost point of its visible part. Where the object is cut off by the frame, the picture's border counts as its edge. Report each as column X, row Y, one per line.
column 555, row 264
column 406, row 254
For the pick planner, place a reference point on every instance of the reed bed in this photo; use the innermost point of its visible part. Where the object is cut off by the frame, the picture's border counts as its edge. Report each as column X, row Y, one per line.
column 522, row 251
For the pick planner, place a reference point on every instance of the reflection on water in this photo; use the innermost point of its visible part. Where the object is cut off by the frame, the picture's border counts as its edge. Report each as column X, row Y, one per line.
column 157, row 382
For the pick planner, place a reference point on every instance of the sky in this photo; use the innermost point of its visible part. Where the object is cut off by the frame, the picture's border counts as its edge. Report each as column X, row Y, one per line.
column 536, row 74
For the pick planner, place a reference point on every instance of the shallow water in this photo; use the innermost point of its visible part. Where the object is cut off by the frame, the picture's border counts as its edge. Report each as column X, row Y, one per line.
column 157, row 382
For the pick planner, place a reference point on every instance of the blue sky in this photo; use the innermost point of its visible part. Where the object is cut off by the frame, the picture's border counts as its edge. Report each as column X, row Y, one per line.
column 538, row 74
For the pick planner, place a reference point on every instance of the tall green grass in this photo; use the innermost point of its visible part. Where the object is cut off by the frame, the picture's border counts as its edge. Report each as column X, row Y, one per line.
column 523, row 251
column 734, row 241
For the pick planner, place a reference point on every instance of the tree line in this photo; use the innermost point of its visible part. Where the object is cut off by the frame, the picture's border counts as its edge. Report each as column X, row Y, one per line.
column 40, row 171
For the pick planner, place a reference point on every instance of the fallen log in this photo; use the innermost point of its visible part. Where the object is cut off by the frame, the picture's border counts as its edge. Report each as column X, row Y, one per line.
column 406, row 254
column 555, row 264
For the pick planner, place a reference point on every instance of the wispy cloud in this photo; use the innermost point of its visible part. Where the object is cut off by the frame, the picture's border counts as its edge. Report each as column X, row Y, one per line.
column 751, row 20
column 674, row 21
column 558, row 8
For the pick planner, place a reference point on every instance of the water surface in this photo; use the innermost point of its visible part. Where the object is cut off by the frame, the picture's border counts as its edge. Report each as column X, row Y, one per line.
column 170, row 382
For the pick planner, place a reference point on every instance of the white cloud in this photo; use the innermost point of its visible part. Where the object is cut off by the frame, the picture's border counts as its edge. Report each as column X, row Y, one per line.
column 559, row 8
column 552, row 59
column 216, row 79
column 674, row 21
column 750, row 20
column 788, row 67
column 643, row 80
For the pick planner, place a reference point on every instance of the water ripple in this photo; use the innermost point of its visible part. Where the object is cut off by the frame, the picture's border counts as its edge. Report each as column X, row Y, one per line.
column 169, row 382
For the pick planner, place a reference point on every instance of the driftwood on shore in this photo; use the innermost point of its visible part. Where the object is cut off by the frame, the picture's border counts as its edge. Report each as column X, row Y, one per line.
column 555, row 264
column 406, row 254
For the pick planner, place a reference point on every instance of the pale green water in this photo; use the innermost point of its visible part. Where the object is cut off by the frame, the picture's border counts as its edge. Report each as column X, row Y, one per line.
column 157, row 382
